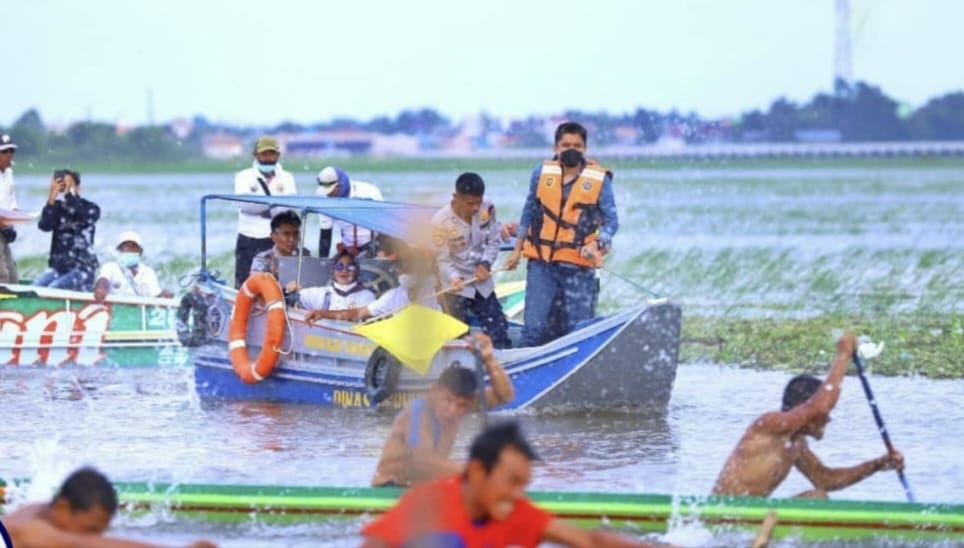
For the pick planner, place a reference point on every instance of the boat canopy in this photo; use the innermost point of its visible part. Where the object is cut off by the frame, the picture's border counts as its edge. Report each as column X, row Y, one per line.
column 408, row 222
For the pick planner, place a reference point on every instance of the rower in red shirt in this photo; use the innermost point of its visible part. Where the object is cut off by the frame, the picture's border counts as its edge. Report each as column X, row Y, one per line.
column 485, row 507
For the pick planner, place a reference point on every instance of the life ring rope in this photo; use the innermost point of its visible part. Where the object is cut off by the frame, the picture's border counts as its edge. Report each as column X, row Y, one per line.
column 265, row 285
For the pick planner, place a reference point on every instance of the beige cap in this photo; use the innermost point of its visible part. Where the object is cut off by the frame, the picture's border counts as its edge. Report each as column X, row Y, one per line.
column 266, row 144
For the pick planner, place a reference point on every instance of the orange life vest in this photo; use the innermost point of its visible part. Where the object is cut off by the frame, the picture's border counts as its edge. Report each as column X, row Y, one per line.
column 557, row 235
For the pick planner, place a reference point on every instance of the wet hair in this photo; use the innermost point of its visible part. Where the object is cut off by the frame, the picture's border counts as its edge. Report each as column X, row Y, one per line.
column 286, row 217
column 799, row 390
column 487, row 446
column 470, row 184
column 87, row 488
column 574, row 128
column 460, row 380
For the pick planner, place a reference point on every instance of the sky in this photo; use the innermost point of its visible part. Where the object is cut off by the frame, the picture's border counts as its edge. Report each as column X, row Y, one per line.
column 262, row 63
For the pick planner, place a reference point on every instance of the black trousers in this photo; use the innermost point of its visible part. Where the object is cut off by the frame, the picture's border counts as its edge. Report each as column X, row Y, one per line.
column 489, row 313
column 244, row 251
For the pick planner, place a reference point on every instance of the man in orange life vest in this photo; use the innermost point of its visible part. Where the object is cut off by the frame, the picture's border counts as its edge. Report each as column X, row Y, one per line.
column 567, row 224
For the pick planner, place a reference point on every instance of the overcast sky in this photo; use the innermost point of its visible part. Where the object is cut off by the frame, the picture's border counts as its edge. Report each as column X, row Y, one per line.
column 245, row 62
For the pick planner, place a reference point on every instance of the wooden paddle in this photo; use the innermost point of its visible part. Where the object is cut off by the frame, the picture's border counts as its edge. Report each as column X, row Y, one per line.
column 480, row 372
column 766, row 530
column 880, row 420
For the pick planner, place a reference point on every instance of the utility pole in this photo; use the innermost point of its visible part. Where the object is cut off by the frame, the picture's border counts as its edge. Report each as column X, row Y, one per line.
column 843, row 72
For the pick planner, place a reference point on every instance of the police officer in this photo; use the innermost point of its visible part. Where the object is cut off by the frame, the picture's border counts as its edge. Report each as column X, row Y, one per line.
column 466, row 237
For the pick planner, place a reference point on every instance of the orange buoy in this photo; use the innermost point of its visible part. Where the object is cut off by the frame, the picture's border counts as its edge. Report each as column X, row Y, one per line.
column 264, row 284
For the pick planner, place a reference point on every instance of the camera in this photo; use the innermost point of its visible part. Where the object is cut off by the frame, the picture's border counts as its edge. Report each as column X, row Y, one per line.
column 59, row 174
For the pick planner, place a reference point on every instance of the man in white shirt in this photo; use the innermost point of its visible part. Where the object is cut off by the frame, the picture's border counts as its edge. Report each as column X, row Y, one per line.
column 127, row 275
column 333, row 182
column 8, row 200
column 265, row 177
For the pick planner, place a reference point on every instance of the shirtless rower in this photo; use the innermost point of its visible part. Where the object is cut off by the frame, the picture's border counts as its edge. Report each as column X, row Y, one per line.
column 776, row 442
column 76, row 517
column 422, row 435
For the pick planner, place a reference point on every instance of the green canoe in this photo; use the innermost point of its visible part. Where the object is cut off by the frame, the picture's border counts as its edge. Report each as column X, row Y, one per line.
column 42, row 326
column 805, row 519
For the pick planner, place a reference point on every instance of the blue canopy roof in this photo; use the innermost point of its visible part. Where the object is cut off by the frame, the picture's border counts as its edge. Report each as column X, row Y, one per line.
column 408, row 222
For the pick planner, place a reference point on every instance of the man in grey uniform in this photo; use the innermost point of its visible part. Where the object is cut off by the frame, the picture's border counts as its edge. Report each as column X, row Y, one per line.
column 466, row 238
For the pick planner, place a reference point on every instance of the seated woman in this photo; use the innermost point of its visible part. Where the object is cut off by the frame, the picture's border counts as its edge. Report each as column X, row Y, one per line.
column 343, row 293
column 415, row 285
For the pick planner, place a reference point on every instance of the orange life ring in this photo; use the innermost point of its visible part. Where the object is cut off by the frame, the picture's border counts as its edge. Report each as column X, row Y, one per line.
column 264, row 284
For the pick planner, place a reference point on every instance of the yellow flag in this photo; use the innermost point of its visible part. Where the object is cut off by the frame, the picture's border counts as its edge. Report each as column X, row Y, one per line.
column 414, row 335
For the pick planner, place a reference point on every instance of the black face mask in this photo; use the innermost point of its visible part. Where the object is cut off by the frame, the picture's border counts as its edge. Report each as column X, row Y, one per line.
column 571, row 157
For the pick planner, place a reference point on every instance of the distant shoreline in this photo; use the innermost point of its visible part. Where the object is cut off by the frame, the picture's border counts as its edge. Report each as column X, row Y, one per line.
column 311, row 165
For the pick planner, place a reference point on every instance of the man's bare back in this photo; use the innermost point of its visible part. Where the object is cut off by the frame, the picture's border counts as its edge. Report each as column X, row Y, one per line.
column 776, row 442
column 76, row 517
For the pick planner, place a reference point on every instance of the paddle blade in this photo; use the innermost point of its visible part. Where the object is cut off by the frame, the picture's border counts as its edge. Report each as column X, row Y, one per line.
column 414, row 335
column 867, row 349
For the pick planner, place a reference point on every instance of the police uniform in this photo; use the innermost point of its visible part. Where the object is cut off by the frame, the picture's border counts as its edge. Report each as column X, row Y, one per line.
column 461, row 247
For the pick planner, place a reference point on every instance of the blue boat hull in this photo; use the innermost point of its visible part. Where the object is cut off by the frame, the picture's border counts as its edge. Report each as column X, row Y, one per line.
column 625, row 360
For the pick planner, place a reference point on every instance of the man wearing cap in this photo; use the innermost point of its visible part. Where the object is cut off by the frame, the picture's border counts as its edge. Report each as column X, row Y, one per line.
column 127, row 275
column 333, row 182
column 8, row 200
column 71, row 222
column 265, row 177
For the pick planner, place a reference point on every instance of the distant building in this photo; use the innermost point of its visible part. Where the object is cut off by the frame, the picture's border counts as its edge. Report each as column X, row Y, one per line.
column 182, row 127
column 328, row 143
column 222, row 145
column 395, row 145
column 818, row 135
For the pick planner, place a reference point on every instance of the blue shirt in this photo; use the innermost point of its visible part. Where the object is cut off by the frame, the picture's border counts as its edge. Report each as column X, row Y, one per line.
column 607, row 205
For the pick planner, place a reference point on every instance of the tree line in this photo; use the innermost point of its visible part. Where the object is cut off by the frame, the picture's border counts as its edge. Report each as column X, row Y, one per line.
column 851, row 113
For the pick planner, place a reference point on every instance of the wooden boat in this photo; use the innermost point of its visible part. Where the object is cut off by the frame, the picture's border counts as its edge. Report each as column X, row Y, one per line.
column 43, row 326
column 804, row 519
column 627, row 359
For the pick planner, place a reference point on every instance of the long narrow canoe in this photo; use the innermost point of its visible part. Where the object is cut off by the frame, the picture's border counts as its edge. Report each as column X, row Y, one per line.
column 43, row 326
column 799, row 518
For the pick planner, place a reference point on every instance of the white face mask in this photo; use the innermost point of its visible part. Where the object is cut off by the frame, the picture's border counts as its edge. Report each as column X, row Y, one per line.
column 343, row 287
column 407, row 281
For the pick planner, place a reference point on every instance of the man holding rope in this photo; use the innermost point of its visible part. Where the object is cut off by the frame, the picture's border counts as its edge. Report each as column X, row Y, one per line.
column 466, row 237
column 567, row 225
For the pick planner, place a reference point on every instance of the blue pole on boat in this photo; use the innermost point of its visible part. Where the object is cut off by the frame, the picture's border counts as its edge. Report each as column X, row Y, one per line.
column 204, row 239
column 880, row 421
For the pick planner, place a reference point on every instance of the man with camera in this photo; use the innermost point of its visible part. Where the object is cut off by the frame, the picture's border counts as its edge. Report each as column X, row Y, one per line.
column 8, row 200
column 70, row 220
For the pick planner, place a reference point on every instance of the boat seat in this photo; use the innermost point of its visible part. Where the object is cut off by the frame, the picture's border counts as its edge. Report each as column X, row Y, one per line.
column 376, row 274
